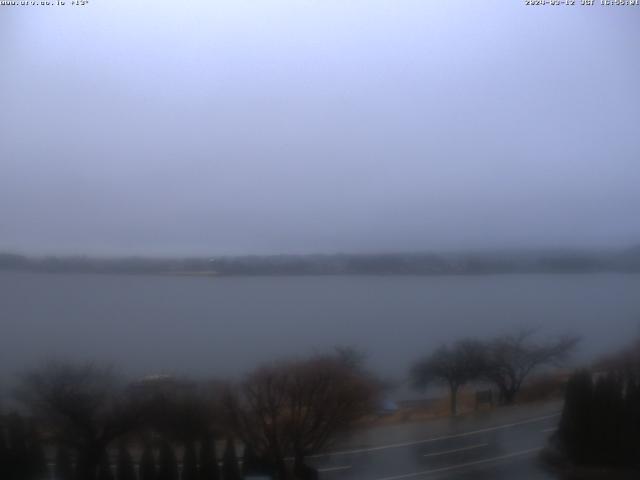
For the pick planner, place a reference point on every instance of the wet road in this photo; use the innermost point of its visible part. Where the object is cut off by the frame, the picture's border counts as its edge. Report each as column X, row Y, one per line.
column 500, row 444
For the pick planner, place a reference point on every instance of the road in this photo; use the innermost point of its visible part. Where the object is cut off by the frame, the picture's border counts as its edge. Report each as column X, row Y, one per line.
column 500, row 444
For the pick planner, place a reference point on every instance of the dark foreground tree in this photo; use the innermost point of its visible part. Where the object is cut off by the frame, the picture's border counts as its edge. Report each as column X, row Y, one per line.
column 327, row 395
column 230, row 469
column 35, row 451
column 252, row 464
column 208, row 460
column 574, row 431
column 600, row 420
column 125, row 467
column 104, row 469
column 147, row 464
column 178, row 409
column 64, row 465
column 16, row 460
column 168, row 464
column 189, row 463
column 4, row 453
column 631, row 427
column 453, row 366
column 23, row 456
column 510, row 359
column 303, row 471
column 299, row 407
column 607, row 420
column 83, row 407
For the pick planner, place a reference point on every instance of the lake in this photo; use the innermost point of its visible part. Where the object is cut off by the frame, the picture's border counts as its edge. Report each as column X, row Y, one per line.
column 224, row 326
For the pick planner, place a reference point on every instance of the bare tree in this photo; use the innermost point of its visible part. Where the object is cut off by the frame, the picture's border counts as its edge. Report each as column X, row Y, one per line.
column 299, row 407
column 511, row 358
column 83, row 406
column 257, row 413
column 453, row 366
column 325, row 397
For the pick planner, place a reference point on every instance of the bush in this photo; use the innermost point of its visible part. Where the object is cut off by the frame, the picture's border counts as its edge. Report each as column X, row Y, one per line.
column 600, row 424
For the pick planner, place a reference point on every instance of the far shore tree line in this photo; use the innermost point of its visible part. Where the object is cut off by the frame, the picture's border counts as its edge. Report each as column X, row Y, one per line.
column 95, row 426
column 548, row 261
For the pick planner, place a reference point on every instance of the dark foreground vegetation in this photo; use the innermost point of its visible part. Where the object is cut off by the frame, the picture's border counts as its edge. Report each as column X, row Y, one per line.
column 96, row 427
column 545, row 261
column 600, row 424
column 88, row 424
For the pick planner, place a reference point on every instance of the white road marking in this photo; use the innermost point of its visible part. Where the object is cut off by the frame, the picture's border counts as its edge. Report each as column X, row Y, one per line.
column 547, row 430
column 462, row 465
column 445, row 452
column 334, row 469
column 435, row 439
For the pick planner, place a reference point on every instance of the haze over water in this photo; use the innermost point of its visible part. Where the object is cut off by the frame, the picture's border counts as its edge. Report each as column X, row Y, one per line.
column 225, row 326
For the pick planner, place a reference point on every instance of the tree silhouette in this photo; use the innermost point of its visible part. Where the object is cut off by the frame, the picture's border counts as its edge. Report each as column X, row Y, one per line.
column 631, row 428
column 84, row 407
column 509, row 359
column 599, row 424
column 168, row 465
column 305, row 472
column 37, row 462
column 574, row 431
column 4, row 454
column 299, row 407
column 606, row 421
column 22, row 450
column 104, row 469
column 147, row 463
column 249, row 461
column 454, row 366
column 252, row 464
column 125, row 469
column 18, row 453
column 63, row 465
column 208, row 460
column 230, row 470
column 189, row 463
column 176, row 409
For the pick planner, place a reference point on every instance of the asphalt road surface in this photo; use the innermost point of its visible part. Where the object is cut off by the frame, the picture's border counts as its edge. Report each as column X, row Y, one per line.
column 500, row 444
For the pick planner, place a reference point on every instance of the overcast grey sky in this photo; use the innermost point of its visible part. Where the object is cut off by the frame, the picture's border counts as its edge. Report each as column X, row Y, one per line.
column 207, row 127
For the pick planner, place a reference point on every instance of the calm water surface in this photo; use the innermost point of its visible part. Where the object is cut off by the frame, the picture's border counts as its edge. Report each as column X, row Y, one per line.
column 224, row 326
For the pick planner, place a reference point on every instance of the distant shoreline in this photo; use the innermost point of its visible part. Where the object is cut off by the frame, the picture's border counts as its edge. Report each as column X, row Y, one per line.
column 389, row 264
column 309, row 275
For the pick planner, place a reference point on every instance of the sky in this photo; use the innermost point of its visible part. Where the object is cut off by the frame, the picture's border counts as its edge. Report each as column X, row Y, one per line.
column 299, row 126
